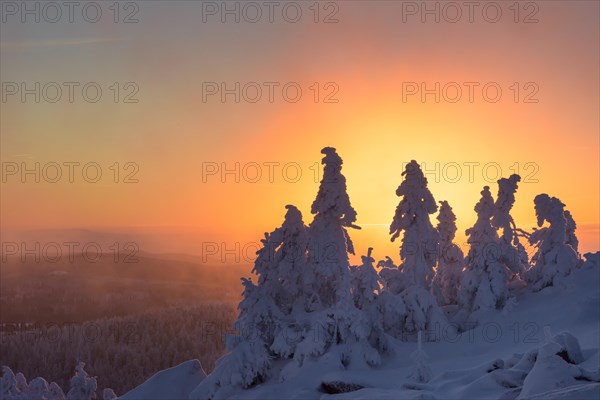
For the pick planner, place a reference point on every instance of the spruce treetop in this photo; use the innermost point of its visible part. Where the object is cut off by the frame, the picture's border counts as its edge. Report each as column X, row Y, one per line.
column 447, row 223
column 417, row 201
column 332, row 199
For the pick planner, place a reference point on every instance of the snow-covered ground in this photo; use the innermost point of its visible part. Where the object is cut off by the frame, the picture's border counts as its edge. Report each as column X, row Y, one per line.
column 172, row 383
column 509, row 355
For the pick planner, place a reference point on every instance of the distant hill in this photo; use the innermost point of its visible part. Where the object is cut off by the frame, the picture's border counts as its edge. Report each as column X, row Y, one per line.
column 81, row 290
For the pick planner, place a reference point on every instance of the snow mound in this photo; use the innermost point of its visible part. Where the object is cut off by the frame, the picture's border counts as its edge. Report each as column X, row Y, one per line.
column 556, row 367
column 173, row 383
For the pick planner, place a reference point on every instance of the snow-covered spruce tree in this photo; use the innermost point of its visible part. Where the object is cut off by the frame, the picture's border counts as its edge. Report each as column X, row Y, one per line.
column 265, row 312
column 555, row 258
column 281, row 264
column 341, row 324
column 329, row 242
column 21, row 382
column 37, row 389
column 8, row 383
column 383, row 310
column 484, row 284
column 418, row 251
column 285, row 278
column 511, row 251
column 451, row 258
column 390, row 305
column 55, row 392
column 418, row 254
column 83, row 387
column 364, row 281
column 391, row 276
column 15, row 387
column 109, row 394
column 493, row 261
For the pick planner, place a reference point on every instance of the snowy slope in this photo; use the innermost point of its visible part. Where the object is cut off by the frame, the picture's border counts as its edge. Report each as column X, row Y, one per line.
column 172, row 383
column 492, row 361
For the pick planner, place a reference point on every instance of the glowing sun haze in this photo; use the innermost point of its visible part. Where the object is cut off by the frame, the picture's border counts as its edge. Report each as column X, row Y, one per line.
column 368, row 57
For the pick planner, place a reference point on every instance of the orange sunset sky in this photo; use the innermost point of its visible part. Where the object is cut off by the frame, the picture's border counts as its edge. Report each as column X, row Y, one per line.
column 368, row 57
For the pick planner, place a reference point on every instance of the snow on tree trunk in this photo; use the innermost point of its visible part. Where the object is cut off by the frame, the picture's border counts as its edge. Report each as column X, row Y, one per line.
column 555, row 258
column 451, row 258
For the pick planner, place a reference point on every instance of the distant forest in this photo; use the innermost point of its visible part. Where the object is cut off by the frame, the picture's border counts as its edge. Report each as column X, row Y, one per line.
column 73, row 292
column 137, row 317
column 122, row 352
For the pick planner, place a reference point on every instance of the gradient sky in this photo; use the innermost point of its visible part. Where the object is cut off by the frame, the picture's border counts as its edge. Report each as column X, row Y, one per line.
column 369, row 53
